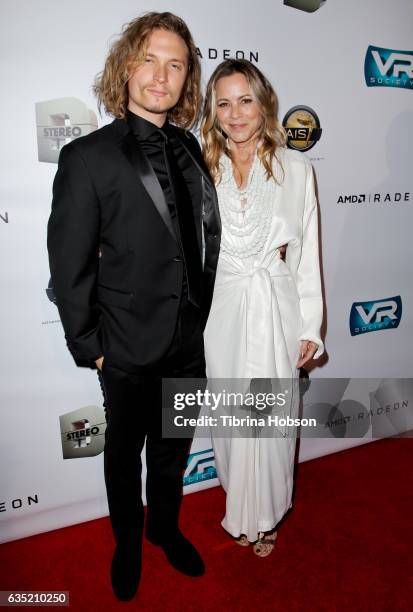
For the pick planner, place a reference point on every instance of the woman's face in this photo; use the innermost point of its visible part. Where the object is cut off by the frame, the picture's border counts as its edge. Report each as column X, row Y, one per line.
column 238, row 114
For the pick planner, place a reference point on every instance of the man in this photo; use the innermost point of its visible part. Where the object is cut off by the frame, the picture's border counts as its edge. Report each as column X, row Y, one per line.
column 133, row 241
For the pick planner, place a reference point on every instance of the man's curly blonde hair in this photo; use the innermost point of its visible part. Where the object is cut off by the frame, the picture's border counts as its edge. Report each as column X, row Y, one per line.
column 111, row 85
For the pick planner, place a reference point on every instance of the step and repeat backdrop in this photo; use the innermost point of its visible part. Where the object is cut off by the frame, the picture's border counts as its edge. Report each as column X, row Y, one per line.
column 343, row 72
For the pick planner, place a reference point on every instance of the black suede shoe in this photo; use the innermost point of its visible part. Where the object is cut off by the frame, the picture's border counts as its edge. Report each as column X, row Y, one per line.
column 126, row 569
column 181, row 554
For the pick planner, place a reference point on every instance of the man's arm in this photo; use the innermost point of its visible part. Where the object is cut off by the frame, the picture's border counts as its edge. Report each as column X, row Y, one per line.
column 73, row 245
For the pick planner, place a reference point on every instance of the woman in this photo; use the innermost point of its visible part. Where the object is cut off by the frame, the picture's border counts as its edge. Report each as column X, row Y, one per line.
column 266, row 312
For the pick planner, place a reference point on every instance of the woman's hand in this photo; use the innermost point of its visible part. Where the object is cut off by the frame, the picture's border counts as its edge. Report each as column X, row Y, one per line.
column 307, row 352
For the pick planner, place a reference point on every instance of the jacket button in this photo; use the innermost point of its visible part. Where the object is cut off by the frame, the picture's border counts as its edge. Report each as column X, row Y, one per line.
column 177, row 258
column 174, row 296
column 212, row 236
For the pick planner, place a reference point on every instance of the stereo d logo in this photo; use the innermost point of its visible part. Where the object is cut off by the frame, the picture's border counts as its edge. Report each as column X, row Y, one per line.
column 200, row 466
column 58, row 123
column 83, row 432
column 373, row 316
column 303, row 128
column 388, row 68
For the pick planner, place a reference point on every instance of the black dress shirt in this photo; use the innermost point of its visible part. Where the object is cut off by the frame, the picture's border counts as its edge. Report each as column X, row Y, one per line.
column 152, row 138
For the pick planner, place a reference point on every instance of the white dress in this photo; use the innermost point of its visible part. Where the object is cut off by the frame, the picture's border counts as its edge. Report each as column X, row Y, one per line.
column 262, row 307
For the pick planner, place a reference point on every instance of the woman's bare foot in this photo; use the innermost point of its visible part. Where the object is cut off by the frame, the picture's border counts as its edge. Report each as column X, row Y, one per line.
column 265, row 543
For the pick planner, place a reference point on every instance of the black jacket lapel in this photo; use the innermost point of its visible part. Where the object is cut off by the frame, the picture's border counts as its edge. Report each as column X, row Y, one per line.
column 210, row 211
column 193, row 151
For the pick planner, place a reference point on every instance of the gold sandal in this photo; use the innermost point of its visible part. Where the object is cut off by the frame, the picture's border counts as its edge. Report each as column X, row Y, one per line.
column 242, row 540
column 265, row 544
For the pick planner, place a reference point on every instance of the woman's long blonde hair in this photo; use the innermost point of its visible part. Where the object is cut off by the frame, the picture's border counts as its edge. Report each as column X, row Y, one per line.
column 272, row 134
column 111, row 85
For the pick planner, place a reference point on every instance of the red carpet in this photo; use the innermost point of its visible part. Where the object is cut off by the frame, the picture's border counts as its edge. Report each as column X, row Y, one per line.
column 346, row 545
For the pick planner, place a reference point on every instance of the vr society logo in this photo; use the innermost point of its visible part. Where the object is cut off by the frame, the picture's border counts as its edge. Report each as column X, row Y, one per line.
column 303, row 128
column 309, row 6
column 388, row 68
column 83, row 432
column 200, row 466
column 373, row 316
column 58, row 123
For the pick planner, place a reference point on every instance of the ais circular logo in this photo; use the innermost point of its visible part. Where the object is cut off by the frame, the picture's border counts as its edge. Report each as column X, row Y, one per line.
column 303, row 128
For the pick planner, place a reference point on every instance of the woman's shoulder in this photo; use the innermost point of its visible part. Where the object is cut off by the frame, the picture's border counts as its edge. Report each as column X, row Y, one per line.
column 293, row 158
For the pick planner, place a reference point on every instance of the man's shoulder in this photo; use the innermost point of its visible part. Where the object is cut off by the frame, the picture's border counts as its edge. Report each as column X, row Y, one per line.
column 185, row 135
column 96, row 144
column 189, row 139
column 105, row 134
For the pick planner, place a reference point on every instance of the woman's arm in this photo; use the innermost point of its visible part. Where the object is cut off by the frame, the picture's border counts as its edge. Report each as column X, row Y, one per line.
column 308, row 273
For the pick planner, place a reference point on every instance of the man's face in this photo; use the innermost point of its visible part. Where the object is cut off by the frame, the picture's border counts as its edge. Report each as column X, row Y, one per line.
column 156, row 85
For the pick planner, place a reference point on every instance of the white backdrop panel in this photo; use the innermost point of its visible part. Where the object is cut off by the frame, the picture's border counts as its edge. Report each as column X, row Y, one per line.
column 51, row 50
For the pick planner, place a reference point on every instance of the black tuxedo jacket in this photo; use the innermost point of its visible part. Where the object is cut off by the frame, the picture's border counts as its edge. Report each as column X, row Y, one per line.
column 115, row 262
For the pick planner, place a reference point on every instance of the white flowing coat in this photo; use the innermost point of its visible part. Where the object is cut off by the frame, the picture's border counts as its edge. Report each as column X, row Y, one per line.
column 261, row 309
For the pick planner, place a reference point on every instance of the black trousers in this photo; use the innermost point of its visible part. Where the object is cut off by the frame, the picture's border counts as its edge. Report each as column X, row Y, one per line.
column 133, row 405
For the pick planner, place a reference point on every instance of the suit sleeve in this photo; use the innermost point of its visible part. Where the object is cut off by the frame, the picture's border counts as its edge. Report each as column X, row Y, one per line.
column 308, row 272
column 73, row 245
column 210, row 232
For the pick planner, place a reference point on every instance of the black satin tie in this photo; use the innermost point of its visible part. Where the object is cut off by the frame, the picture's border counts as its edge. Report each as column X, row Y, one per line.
column 186, row 224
